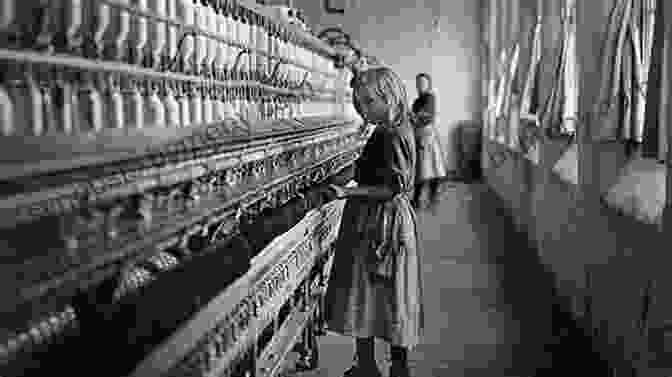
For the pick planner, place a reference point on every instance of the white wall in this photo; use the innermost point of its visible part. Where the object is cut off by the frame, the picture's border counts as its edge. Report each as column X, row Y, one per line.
column 401, row 34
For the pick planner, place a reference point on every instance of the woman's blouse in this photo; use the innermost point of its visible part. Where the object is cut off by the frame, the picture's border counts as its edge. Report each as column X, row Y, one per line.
column 424, row 109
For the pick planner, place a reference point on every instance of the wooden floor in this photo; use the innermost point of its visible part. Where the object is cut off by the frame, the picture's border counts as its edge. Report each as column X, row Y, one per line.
column 487, row 298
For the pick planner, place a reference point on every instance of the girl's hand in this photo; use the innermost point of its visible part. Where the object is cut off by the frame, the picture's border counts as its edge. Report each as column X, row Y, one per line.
column 338, row 191
column 366, row 129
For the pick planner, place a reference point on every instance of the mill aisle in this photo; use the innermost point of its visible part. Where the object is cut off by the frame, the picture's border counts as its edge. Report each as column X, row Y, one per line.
column 488, row 301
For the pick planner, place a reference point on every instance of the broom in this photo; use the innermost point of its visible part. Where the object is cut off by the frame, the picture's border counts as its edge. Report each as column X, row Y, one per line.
column 567, row 167
column 639, row 190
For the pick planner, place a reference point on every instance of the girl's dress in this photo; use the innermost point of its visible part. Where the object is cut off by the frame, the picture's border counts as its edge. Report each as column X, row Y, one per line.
column 370, row 295
column 431, row 160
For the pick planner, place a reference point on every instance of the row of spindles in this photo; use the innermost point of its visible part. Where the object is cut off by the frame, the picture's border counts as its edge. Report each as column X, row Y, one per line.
column 42, row 101
column 38, row 334
column 214, row 38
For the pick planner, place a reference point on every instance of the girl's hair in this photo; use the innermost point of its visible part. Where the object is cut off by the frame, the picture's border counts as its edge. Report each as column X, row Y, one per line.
column 388, row 86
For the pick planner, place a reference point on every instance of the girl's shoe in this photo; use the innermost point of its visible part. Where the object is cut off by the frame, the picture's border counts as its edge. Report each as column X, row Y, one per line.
column 397, row 370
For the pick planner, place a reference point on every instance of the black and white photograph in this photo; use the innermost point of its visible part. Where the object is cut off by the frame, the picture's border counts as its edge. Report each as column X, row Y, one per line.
column 335, row 188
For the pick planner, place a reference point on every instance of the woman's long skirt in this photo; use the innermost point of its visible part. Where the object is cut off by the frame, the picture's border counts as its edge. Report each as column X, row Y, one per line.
column 431, row 159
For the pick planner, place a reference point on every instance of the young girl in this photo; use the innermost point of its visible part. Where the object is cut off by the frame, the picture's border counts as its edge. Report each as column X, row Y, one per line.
column 375, row 285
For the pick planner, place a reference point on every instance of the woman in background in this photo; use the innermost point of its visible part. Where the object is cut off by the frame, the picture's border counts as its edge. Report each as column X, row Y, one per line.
column 431, row 166
column 374, row 289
